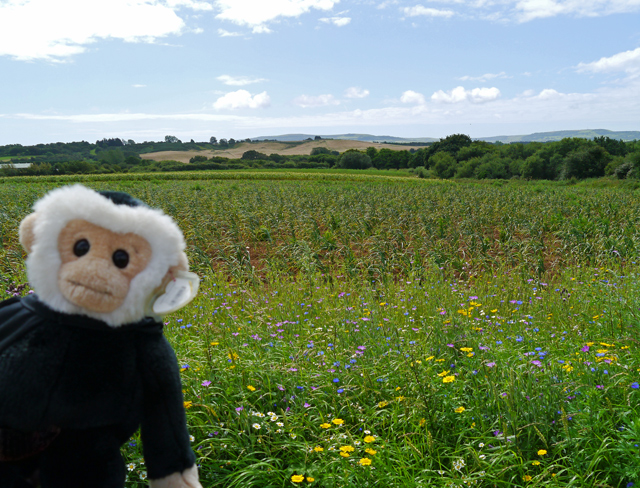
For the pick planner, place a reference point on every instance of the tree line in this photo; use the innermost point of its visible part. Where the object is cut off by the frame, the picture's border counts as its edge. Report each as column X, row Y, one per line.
column 455, row 156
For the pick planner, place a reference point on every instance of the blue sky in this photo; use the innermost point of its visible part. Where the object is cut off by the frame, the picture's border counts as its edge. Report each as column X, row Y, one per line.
column 142, row 69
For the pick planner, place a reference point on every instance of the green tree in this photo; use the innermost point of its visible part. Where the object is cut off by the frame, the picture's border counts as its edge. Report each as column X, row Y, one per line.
column 354, row 159
column 443, row 164
column 253, row 155
column 112, row 156
column 586, row 162
column 534, row 167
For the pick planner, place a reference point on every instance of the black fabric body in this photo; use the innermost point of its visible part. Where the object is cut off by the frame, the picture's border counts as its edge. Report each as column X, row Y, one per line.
column 79, row 375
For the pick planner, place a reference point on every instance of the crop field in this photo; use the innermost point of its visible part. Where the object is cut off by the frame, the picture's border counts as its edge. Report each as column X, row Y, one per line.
column 358, row 331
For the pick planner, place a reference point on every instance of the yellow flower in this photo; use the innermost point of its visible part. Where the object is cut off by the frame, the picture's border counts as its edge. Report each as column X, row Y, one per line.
column 251, row 388
column 215, row 343
column 460, row 409
column 536, row 463
column 429, row 358
column 383, row 404
column 297, row 478
column 466, row 349
column 471, row 354
column 188, row 404
column 526, row 477
column 337, row 421
column 370, row 451
column 541, row 452
column 310, row 479
column 344, row 454
column 399, row 399
column 365, row 462
column 369, row 439
column 494, row 310
column 448, row 379
column 347, row 449
column 444, row 373
column 318, row 449
column 325, row 425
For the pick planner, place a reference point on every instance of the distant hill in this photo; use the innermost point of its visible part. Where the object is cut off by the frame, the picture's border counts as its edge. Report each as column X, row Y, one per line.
column 536, row 137
column 344, row 137
column 561, row 134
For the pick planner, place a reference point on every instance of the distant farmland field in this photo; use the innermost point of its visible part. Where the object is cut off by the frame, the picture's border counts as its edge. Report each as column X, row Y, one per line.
column 283, row 148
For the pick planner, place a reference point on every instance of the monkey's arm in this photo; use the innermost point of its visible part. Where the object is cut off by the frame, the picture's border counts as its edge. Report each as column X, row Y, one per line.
column 167, row 450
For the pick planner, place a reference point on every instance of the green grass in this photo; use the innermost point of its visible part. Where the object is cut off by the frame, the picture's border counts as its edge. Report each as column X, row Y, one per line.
column 358, row 298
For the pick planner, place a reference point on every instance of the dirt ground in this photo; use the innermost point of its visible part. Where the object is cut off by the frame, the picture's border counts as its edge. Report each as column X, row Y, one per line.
column 273, row 147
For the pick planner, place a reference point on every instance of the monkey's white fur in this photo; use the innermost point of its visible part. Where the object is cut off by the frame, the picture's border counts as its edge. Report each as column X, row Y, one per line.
column 187, row 479
column 65, row 204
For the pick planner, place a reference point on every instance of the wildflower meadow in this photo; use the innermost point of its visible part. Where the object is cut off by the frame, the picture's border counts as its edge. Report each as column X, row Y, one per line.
column 397, row 332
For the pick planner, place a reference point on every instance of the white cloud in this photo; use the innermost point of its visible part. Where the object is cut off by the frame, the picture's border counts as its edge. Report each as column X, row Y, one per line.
column 426, row 11
column 239, row 80
column 627, row 61
column 202, row 6
column 139, row 86
column 242, row 99
column 537, row 9
column 309, row 101
column 226, row 33
column 337, row 21
column 413, row 98
column 386, row 3
column 261, row 29
column 548, row 94
column 460, row 94
column 356, row 92
column 55, row 31
column 258, row 12
column 485, row 77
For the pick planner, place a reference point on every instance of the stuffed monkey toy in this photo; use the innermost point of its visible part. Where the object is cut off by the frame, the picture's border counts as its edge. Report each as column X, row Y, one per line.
column 83, row 362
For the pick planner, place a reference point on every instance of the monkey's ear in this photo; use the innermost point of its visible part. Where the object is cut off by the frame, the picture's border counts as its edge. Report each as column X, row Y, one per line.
column 27, row 235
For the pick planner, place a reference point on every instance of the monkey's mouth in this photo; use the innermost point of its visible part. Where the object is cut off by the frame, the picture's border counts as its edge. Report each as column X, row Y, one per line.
column 76, row 284
column 102, row 299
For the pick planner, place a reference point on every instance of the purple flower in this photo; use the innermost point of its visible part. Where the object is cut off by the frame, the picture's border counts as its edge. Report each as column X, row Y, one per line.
column 585, row 349
column 599, row 387
column 206, row 383
column 306, row 405
column 635, row 385
column 537, row 363
column 239, row 409
column 491, row 365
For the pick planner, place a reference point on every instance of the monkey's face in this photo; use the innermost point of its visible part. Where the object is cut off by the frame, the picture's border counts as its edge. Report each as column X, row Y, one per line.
column 98, row 265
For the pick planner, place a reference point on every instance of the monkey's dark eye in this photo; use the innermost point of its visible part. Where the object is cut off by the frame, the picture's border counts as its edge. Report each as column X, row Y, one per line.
column 120, row 258
column 81, row 247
